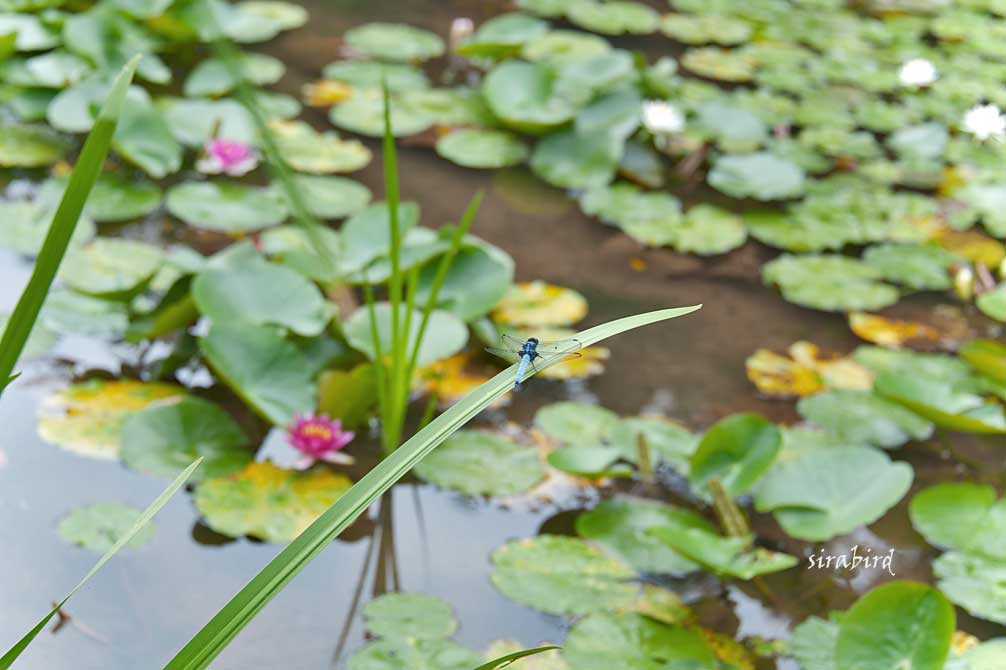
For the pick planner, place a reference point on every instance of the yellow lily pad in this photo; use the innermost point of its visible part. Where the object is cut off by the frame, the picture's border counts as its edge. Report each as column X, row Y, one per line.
column 454, row 377
column 891, row 333
column 326, row 92
column 307, row 150
column 973, row 245
column 589, row 363
column 267, row 502
column 87, row 418
column 537, row 304
column 804, row 372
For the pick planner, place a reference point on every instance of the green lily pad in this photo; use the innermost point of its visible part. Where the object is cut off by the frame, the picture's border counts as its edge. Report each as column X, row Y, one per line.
column 707, row 229
column 829, row 282
column 562, row 575
column 923, row 141
column 262, row 294
column 370, row 74
column 363, row 113
column 570, row 160
column 948, row 405
column 576, row 424
column 163, row 440
column 68, row 312
column 860, row 417
column 730, row 556
column 396, row 42
column 32, row 34
column 591, row 461
column 883, row 630
column 993, row 303
column 524, row 96
column 226, row 207
column 284, row 15
column 485, row 149
column 813, row 644
column 98, row 527
column 366, row 236
column 144, row 138
column 409, row 616
column 110, row 267
column 109, row 39
column 26, row 222
column 330, row 197
column 502, row 36
column 478, row 278
column 989, row 202
column 915, row 266
column 30, row 146
column 987, row 357
column 306, row 150
column 267, row 502
column 547, row 8
column 818, row 494
column 961, row 515
column 668, row 441
column 621, row 525
column 973, row 582
column 734, row 128
column 985, row 656
column 86, row 418
column 705, row 29
column 559, row 47
column 631, row 641
column 193, row 122
column 480, row 463
column 213, row 77
column 265, row 370
column 737, row 451
column 412, row 654
column 762, row 176
column 445, row 334
column 115, row 198
column 613, row 17
column 721, row 64
column 348, row 395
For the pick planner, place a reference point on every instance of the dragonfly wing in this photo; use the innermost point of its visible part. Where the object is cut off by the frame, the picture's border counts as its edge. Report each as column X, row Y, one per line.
column 549, row 350
column 511, row 342
column 505, row 354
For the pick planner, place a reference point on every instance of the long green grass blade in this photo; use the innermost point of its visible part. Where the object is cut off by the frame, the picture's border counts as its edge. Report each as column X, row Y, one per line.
column 504, row 661
column 85, row 173
column 12, row 654
column 236, row 614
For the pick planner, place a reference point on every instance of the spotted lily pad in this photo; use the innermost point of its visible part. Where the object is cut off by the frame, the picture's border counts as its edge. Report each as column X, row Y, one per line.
column 762, row 176
column 818, row 494
column 110, row 267
column 30, row 146
column 266, row 502
column 860, row 417
column 226, row 207
column 621, row 526
column 613, row 17
column 409, row 615
column 631, row 641
column 394, row 42
column 537, row 305
column 98, row 527
column 87, row 418
column 737, row 451
column 829, row 282
column 961, row 515
column 164, row 439
column 317, row 153
column 731, row 556
column 561, row 575
column 480, row 463
column 482, row 148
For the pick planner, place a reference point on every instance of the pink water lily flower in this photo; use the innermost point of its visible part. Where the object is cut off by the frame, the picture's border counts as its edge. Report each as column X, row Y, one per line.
column 318, row 438
column 228, row 157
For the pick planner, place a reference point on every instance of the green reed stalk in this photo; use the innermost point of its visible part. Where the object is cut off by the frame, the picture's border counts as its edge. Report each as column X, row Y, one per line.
column 64, row 222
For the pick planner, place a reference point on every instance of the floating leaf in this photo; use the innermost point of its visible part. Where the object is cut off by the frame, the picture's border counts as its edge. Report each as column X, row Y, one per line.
column 450, row 379
column 144, row 138
column 571, row 160
column 164, row 439
column 226, row 207
column 502, row 36
column 734, row 128
column 829, row 282
column 594, row 462
column 731, row 556
column 30, row 146
column 762, row 176
column 705, row 29
column 370, row 74
column 961, row 515
column 331, row 197
column 946, row 404
column 445, row 334
column 26, row 222
column 986, row 356
column 537, row 304
column 115, row 198
column 621, row 526
column 409, row 616
column 394, row 42
column 915, row 266
column 882, row 630
column 633, row 642
column 860, row 417
column 349, row 396
column 214, row 78
column 262, row 294
column 561, row 575
column 737, row 451
column 485, row 149
column 318, row 153
column 577, row 424
column 777, row 375
column 265, row 370
column 541, row 660
column 818, row 494
column 193, row 122
column 480, row 463
column 973, row 582
column 524, row 96
column 409, row 654
column 613, row 17
column 707, row 229
column 479, row 276
column 266, row 502
column 87, row 418
column 110, row 268
column 364, row 114
column 31, row 33
column 993, row 303
column 813, row 644
column 722, row 64
column 98, row 527
column 563, row 47
column 891, row 333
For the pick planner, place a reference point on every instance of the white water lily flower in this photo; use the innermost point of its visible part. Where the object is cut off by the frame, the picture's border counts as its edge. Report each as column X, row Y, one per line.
column 917, row 72
column 985, row 121
column 661, row 117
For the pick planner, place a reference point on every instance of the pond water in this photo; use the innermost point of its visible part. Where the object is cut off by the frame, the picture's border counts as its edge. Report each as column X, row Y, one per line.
column 145, row 604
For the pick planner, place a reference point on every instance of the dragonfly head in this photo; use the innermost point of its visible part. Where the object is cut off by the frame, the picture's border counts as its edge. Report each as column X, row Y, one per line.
column 533, row 340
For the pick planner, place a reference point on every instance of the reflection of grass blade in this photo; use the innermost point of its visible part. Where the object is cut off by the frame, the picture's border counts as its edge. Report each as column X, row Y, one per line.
column 236, row 614
column 82, row 179
column 504, row 661
column 12, row 654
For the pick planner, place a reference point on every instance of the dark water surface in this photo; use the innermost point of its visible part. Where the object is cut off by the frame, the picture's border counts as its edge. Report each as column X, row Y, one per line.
column 147, row 603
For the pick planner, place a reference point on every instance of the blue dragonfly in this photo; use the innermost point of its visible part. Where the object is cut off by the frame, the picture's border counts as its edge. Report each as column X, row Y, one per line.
column 526, row 352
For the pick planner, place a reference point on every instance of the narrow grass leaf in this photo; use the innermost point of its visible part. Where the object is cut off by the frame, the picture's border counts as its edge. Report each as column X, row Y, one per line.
column 235, row 615
column 504, row 661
